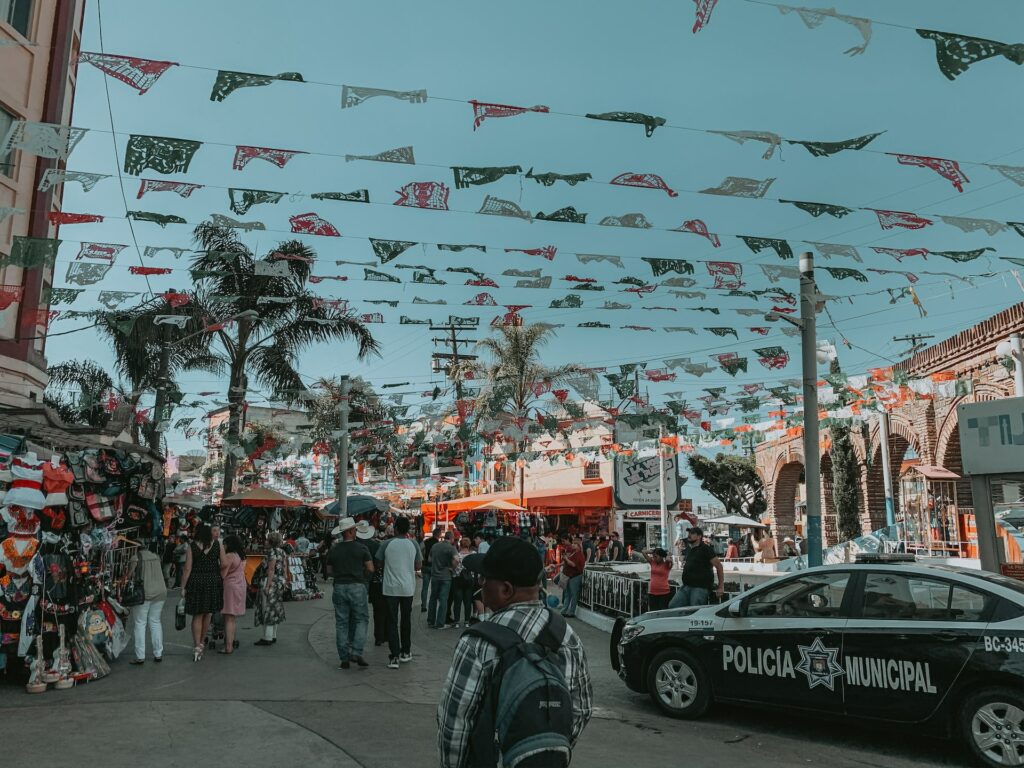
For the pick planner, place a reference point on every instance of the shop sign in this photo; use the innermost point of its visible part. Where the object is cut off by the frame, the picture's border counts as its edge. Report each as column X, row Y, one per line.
column 992, row 436
column 1012, row 570
column 686, row 505
column 637, row 482
column 642, row 514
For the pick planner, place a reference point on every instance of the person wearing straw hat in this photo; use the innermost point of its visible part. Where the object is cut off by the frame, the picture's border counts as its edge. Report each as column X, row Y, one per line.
column 348, row 562
column 366, row 534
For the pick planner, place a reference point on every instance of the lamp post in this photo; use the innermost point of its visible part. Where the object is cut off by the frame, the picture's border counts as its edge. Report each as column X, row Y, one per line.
column 1011, row 348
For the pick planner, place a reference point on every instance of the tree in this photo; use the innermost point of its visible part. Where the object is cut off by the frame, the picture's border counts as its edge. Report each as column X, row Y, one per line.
column 262, row 316
column 514, row 378
column 845, row 483
column 77, row 391
column 150, row 356
column 732, row 480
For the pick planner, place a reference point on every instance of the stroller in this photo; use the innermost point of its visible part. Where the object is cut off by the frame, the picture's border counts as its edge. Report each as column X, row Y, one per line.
column 216, row 631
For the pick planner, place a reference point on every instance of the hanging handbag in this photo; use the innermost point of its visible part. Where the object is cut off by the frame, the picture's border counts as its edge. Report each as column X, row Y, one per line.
column 134, row 591
column 102, row 508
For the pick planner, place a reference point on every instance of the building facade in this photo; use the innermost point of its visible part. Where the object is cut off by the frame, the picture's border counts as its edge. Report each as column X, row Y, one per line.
column 39, row 43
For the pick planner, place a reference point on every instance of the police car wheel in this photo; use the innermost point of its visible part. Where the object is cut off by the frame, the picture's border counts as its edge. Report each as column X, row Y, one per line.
column 678, row 684
column 992, row 722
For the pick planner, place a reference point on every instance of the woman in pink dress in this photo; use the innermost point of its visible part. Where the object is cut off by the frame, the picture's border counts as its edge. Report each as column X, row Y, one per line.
column 232, row 571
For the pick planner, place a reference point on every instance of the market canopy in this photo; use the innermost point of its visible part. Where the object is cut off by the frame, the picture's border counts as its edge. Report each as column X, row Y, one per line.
column 500, row 505
column 261, row 497
column 357, row 505
column 736, row 521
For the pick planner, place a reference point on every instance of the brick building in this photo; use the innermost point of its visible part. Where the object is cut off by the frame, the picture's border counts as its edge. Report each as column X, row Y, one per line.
column 924, row 430
column 39, row 41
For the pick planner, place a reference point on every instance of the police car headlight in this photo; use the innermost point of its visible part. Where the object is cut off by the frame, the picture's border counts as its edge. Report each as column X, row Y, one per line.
column 631, row 632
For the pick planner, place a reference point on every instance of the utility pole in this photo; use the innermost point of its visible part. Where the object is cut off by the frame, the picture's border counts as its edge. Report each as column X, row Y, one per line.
column 661, row 487
column 883, row 439
column 342, row 483
column 449, row 363
column 915, row 340
column 809, row 356
column 162, row 384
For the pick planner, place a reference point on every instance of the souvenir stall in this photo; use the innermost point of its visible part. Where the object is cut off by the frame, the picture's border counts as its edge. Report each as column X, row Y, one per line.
column 70, row 529
column 928, row 513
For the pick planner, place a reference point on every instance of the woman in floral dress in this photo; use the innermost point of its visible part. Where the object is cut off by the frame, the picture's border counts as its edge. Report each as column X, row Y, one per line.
column 270, row 601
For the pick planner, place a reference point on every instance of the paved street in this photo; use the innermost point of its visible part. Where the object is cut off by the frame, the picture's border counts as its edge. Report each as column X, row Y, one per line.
column 290, row 705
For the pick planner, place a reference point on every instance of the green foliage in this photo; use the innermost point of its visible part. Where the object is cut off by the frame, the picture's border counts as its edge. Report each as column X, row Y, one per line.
column 732, row 480
column 77, row 390
column 845, row 484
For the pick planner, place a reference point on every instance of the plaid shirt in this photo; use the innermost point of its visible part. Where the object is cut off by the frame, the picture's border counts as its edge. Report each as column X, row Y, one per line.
column 474, row 664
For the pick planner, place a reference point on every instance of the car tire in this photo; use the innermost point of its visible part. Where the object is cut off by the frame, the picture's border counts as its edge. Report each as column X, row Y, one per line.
column 613, row 645
column 992, row 725
column 678, row 684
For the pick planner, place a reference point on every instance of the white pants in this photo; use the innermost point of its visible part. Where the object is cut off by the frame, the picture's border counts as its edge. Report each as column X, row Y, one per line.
column 148, row 613
column 270, row 632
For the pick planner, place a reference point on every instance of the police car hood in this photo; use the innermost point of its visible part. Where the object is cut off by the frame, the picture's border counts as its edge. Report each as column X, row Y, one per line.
column 671, row 613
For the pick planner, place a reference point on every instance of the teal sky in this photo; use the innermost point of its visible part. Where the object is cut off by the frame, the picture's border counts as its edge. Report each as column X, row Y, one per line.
column 751, row 69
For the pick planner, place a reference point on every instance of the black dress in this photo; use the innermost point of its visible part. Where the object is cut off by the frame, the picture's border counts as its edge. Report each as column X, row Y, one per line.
column 204, row 592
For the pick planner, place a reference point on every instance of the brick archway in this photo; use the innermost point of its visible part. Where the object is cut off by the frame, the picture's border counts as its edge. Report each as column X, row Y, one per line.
column 829, row 518
column 787, row 478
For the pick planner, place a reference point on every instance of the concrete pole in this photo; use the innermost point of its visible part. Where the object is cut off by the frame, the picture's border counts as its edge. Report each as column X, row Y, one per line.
column 661, row 489
column 1018, row 364
column 809, row 355
column 883, row 439
column 342, row 485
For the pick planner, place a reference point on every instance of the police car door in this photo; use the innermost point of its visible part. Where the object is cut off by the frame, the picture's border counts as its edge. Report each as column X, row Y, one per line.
column 910, row 637
column 785, row 646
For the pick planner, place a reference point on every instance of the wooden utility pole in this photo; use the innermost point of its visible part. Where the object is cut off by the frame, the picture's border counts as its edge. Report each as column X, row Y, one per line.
column 448, row 362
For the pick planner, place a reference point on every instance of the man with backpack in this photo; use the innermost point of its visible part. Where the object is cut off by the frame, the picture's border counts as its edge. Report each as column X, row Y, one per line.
column 518, row 689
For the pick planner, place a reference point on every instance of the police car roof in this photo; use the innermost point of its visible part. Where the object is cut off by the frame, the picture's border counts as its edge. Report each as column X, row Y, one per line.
column 987, row 578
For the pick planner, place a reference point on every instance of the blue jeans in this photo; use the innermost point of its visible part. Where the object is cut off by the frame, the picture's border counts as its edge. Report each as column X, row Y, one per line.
column 351, row 614
column 688, row 596
column 425, row 591
column 571, row 595
column 438, row 602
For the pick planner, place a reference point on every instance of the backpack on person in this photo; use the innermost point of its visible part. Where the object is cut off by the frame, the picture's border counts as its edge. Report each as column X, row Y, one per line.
column 526, row 715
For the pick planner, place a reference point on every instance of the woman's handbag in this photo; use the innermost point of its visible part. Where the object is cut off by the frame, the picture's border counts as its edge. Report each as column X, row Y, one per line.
column 134, row 592
column 179, row 615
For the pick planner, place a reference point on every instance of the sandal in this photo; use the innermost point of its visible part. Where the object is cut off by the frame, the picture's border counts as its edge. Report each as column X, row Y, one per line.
column 197, row 653
column 224, row 652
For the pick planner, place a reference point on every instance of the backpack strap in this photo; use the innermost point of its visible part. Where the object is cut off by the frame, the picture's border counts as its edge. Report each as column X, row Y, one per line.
column 498, row 635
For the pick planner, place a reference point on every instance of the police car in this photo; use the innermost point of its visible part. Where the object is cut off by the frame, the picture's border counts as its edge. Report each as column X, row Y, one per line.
column 891, row 642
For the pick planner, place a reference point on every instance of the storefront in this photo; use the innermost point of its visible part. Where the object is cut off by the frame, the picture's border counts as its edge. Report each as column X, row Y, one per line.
column 641, row 528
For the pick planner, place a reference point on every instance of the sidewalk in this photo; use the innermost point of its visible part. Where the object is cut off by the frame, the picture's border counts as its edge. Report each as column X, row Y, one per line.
column 289, row 704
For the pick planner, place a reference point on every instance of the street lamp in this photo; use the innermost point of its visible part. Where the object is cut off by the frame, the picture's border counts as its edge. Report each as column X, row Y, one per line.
column 1011, row 348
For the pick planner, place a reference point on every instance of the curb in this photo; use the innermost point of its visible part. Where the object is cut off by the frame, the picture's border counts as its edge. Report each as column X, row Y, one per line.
column 596, row 620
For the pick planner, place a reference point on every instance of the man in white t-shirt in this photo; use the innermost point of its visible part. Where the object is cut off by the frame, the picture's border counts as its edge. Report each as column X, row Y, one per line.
column 482, row 544
column 401, row 560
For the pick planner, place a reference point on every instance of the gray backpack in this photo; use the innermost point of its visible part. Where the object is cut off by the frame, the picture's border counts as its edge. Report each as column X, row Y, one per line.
column 526, row 715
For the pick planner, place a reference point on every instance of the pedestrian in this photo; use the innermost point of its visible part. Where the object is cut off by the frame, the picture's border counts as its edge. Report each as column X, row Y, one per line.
column 463, row 585
column 232, row 572
column 466, row 738
column 478, row 542
column 270, row 599
column 732, row 552
column 616, row 552
column 766, row 548
column 180, row 556
column 658, row 591
column 683, row 525
column 148, row 614
column 789, row 547
column 542, row 548
column 428, row 544
column 589, row 549
column 202, row 590
column 443, row 559
column 699, row 569
column 484, row 545
column 348, row 563
column 167, row 560
column 573, row 564
column 365, row 534
column 400, row 560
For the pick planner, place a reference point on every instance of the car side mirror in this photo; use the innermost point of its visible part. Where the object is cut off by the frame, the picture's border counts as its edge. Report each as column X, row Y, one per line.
column 736, row 608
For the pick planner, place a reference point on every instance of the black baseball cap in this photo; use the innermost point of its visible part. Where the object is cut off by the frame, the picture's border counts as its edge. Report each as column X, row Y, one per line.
column 509, row 559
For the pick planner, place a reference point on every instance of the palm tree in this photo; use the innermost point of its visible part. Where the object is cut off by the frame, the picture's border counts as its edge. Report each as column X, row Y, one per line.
column 261, row 317
column 513, row 373
column 149, row 356
column 92, row 383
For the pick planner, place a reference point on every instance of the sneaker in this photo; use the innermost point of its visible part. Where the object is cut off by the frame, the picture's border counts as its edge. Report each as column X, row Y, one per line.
column 344, row 665
column 465, row 624
column 405, row 658
column 361, row 662
column 393, row 662
column 451, row 625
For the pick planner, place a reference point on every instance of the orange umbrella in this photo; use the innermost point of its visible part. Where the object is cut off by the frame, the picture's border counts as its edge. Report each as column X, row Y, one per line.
column 261, row 497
